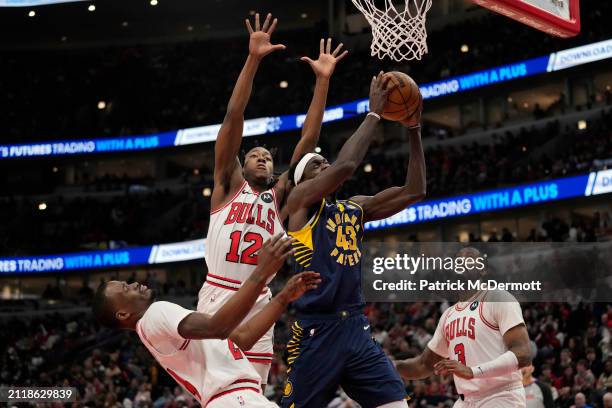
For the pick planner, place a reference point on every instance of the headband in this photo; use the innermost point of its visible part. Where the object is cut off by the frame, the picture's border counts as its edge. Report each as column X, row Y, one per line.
column 299, row 169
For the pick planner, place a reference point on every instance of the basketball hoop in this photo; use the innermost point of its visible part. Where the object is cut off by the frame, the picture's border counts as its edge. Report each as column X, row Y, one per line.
column 399, row 35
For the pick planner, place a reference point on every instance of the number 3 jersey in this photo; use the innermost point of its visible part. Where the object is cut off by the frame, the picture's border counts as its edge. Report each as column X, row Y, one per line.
column 472, row 333
column 330, row 244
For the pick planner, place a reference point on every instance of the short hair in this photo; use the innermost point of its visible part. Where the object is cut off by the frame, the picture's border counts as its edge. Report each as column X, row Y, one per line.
column 102, row 308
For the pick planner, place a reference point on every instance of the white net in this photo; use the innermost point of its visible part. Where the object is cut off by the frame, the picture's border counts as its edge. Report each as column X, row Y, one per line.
column 397, row 34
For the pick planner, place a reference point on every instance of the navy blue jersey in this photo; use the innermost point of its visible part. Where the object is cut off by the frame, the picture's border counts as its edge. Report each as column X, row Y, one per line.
column 330, row 244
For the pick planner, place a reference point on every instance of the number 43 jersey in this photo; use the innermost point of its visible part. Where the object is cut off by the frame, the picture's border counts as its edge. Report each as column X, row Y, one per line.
column 330, row 244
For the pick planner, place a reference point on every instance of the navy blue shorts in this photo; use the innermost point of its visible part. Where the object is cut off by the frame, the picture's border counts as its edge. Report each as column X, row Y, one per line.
column 326, row 353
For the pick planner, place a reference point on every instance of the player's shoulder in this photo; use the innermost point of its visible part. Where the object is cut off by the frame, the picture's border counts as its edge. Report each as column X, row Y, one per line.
column 159, row 307
column 498, row 296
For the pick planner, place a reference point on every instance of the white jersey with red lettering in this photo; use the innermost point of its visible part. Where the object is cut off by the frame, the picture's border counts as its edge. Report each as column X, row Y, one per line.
column 472, row 333
column 208, row 369
column 235, row 234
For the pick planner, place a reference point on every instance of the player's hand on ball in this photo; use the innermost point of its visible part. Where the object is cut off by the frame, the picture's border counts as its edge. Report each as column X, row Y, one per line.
column 273, row 254
column 379, row 92
column 300, row 284
column 453, row 367
column 324, row 66
column 414, row 120
column 259, row 43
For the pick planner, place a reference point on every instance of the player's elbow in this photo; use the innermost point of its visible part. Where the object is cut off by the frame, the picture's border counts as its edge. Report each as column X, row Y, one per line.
column 523, row 355
column 413, row 195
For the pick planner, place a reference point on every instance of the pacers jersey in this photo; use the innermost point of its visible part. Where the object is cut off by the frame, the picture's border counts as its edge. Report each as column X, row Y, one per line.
column 330, row 244
column 236, row 233
column 472, row 333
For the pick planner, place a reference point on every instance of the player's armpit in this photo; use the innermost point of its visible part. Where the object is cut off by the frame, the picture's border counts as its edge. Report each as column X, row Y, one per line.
column 516, row 340
column 395, row 199
column 419, row 367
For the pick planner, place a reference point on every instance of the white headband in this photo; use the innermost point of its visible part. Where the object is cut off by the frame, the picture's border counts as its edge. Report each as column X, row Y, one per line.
column 299, row 169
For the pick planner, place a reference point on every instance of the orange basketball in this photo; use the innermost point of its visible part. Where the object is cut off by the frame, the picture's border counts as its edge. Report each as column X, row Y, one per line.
column 404, row 102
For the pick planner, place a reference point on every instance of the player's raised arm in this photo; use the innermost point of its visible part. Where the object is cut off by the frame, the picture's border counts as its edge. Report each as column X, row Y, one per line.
column 393, row 200
column 250, row 332
column 227, row 172
column 419, row 367
column 323, row 68
column 352, row 153
column 220, row 325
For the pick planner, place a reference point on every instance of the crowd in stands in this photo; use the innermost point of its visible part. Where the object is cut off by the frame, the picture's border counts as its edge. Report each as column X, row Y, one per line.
column 156, row 88
column 572, row 347
column 139, row 214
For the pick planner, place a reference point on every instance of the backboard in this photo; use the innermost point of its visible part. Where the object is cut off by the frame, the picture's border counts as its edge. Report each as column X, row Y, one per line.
column 556, row 17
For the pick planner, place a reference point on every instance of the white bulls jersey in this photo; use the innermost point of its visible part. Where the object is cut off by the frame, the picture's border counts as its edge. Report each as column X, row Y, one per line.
column 207, row 369
column 237, row 231
column 235, row 234
column 472, row 334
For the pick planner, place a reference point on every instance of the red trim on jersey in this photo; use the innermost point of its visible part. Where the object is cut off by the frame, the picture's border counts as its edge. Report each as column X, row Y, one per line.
column 250, row 353
column 234, row 390
column 185, row 344
column 259, row 361
column 263, row 292
column 230, row 201
column 224, row 279
column 463, row 308
column 481, row 314
column 222, row 286
column 245, row 380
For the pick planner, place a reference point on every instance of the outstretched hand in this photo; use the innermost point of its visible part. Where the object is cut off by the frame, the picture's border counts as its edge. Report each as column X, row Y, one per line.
column 259, row 42
column 298, row 284
column 379, row 92
column 273, row 254
column 324, row 66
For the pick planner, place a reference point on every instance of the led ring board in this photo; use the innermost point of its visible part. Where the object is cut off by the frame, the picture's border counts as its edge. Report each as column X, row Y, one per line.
column 556, row 17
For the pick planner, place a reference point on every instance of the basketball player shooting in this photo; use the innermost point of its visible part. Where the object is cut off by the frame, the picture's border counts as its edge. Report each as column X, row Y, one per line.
column 246, row 201
column 483, row 344
column 203, row 352
column 332, row 345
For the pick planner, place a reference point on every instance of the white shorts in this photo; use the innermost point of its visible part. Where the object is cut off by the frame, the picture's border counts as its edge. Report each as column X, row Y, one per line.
column 513, row 398
column 210, row 300
column 241, row 399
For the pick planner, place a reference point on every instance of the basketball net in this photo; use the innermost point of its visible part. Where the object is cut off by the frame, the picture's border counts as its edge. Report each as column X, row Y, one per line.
column 399, row 35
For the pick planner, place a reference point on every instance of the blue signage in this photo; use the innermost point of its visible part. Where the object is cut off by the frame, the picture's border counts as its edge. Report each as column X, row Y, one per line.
column 261, row 126
column 492, row 200
column 585, row 185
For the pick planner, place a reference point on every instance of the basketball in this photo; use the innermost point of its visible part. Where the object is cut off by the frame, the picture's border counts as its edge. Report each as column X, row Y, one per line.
column 404, row 101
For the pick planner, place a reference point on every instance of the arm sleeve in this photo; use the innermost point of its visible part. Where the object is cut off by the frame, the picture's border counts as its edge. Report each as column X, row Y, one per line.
column 162, row 320
column 505, row 315
column 438, row 343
